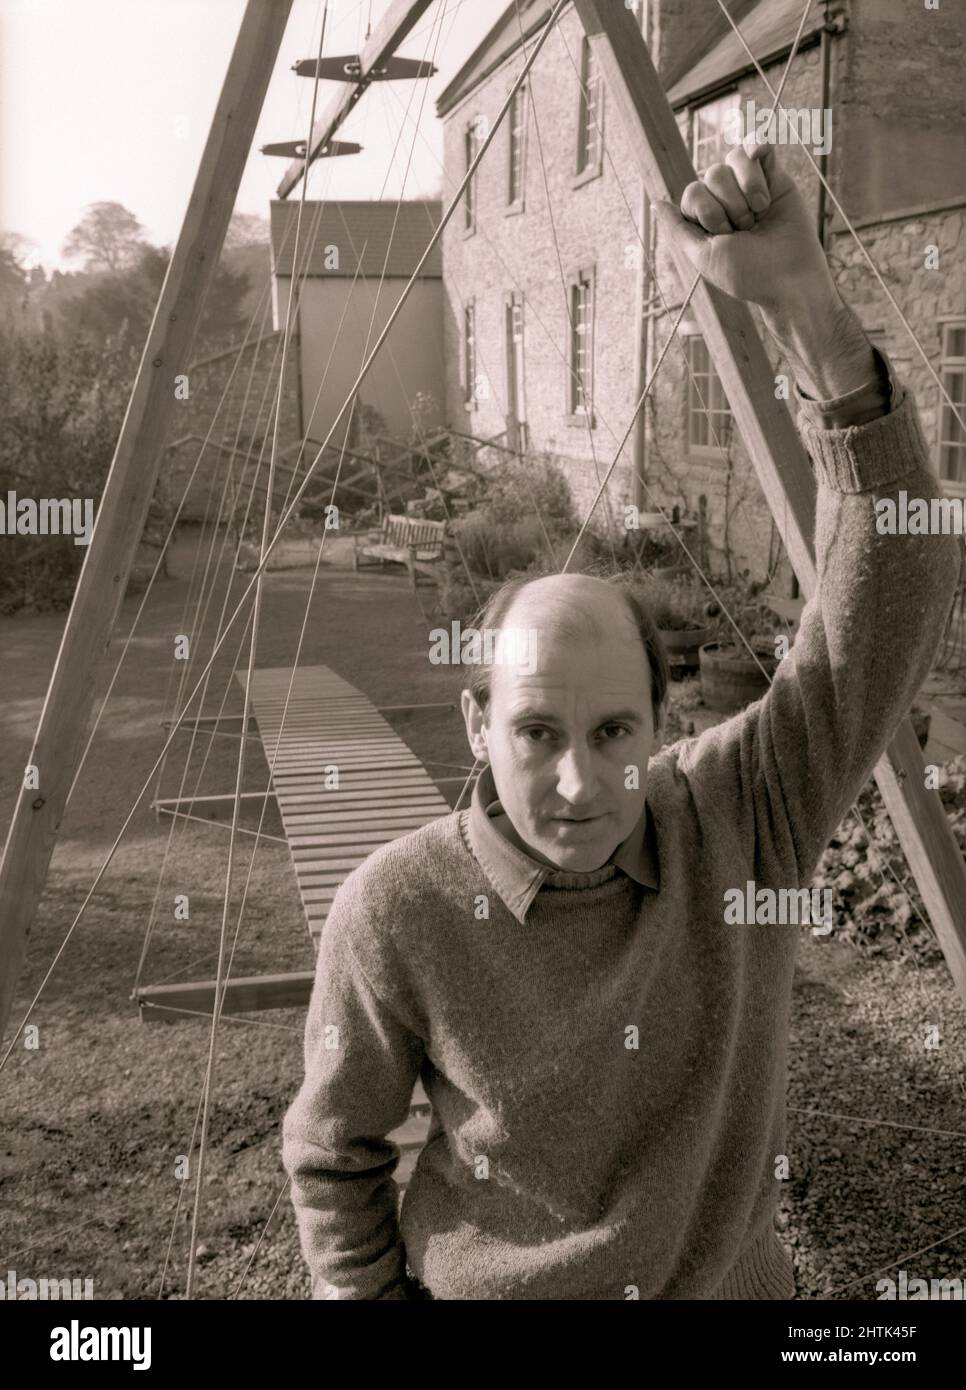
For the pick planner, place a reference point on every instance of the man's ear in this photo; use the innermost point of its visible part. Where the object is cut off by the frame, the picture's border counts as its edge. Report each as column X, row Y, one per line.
column 475, row 726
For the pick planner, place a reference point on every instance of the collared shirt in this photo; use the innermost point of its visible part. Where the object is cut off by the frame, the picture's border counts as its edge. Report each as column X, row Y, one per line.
column 518, row 878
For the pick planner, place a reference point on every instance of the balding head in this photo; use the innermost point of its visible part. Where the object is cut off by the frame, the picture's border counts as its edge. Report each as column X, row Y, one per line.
column 566, row 707
column 571, row 607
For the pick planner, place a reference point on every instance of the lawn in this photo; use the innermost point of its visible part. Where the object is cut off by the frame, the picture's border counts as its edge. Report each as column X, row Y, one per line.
column 94, row 1119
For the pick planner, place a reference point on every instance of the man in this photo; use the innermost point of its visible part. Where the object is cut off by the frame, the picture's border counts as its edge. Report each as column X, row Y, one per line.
column 604, row 1049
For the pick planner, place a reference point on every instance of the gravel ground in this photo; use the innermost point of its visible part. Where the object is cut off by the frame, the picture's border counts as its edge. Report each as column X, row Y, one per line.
column 94, row 1120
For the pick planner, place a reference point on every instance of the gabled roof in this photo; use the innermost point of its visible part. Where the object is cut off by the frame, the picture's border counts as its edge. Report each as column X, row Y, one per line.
column 769, row 30
column 497, row 45
column 364, row 232
column 768, row 26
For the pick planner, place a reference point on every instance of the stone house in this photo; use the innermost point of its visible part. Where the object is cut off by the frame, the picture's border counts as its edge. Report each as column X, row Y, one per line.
column 552, row 317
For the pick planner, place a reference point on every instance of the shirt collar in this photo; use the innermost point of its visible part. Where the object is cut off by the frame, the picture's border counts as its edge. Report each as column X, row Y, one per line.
column 517, row 877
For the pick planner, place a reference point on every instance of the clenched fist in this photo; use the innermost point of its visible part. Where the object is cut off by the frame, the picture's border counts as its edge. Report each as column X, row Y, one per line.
column 745, row 227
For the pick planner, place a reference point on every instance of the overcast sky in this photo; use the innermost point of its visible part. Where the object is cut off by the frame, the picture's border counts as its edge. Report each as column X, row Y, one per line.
column 111, row 100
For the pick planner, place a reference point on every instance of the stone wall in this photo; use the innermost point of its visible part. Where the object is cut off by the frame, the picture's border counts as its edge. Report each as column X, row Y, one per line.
column 593, row 226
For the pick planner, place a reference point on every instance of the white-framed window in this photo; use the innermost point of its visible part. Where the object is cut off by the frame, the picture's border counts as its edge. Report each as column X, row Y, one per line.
column 952, row 373
column 590, row 113
column 710, row 125
column 709, row 423
column 472, row 139
column 516, row 147
column 580, row 376
column 516, row 410
column 469, row 354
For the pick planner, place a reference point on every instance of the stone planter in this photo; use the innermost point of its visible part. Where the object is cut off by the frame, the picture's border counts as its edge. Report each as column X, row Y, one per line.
column 731, row 678
column 683, row 646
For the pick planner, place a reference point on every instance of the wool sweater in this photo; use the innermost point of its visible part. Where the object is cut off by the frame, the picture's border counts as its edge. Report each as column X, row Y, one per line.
column 604, row 1052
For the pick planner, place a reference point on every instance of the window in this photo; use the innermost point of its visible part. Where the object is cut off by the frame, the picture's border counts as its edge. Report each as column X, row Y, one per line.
column 469, row 354
column 590, row 120
column 710, row 423
column 471, row 145
column 517, row 126
column 580, row 385
column 515, row 395
column 952, row 372
column 711, row 124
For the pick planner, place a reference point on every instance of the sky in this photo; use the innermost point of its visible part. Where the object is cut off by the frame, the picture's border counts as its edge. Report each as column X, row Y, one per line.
column 111, row 100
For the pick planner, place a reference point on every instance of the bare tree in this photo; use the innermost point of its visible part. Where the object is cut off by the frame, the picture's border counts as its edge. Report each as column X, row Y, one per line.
column 246, row 229
column 108, row 237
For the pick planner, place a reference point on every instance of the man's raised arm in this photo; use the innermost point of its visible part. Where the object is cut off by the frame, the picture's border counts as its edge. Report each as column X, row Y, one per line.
column 363, row 1052
column 869, row 633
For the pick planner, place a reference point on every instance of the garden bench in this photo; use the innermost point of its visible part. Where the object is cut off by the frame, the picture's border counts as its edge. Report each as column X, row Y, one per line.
column 408, row 540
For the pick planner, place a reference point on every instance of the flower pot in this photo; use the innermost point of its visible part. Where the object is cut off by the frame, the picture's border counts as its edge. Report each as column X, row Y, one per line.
column 731, row 678
column 683, row 645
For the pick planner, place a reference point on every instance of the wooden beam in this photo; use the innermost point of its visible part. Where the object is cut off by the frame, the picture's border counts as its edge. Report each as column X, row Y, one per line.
column 130, row 484
column 777, row 452
column 400, row 18
column 247, row 994
column 164, row 802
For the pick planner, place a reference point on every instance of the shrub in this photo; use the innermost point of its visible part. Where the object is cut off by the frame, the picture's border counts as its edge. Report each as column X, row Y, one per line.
column 64, row 401
column 871, row 909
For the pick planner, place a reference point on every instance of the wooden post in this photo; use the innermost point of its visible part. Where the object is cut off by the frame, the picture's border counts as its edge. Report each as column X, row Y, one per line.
column 130, row 484
column 777, row 452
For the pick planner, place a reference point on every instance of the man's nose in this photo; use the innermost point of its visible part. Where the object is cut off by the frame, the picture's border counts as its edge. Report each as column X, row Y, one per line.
column 576, row 779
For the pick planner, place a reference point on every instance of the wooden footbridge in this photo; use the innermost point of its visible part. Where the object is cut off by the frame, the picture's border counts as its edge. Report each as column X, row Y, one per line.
column 345, row 783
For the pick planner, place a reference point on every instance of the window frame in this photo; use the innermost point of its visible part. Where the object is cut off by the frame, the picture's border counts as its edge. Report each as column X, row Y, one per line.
column 513, row 299
column 947, row 325
column 470, row 151
column 726, row 101
column 584, row 171
column 517, row 204
column 575, row 414
column 693, row 409
column 470, row 356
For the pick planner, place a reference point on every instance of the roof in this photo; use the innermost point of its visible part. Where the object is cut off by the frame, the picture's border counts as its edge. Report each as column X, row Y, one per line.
column 769, row 30
column 768, row 26
column 366, row 233
column 497, row 45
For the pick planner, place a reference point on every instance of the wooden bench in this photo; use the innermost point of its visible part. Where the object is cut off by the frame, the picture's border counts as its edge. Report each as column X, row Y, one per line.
column 408, row 540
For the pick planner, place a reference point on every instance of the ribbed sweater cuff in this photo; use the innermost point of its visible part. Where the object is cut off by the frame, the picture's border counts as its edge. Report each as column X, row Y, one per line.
column 862, row 457
column 764, row 1271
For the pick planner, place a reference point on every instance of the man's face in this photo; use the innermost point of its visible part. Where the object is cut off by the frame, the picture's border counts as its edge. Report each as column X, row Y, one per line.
column 564, row 737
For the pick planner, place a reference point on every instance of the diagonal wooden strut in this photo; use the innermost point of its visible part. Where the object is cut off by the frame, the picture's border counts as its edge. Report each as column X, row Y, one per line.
column 130, row 483
column 777, row 452
column 398, row 21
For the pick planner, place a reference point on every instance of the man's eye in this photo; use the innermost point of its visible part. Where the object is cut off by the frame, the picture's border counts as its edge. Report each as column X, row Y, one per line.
column 534, row 734
column 620, row 728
